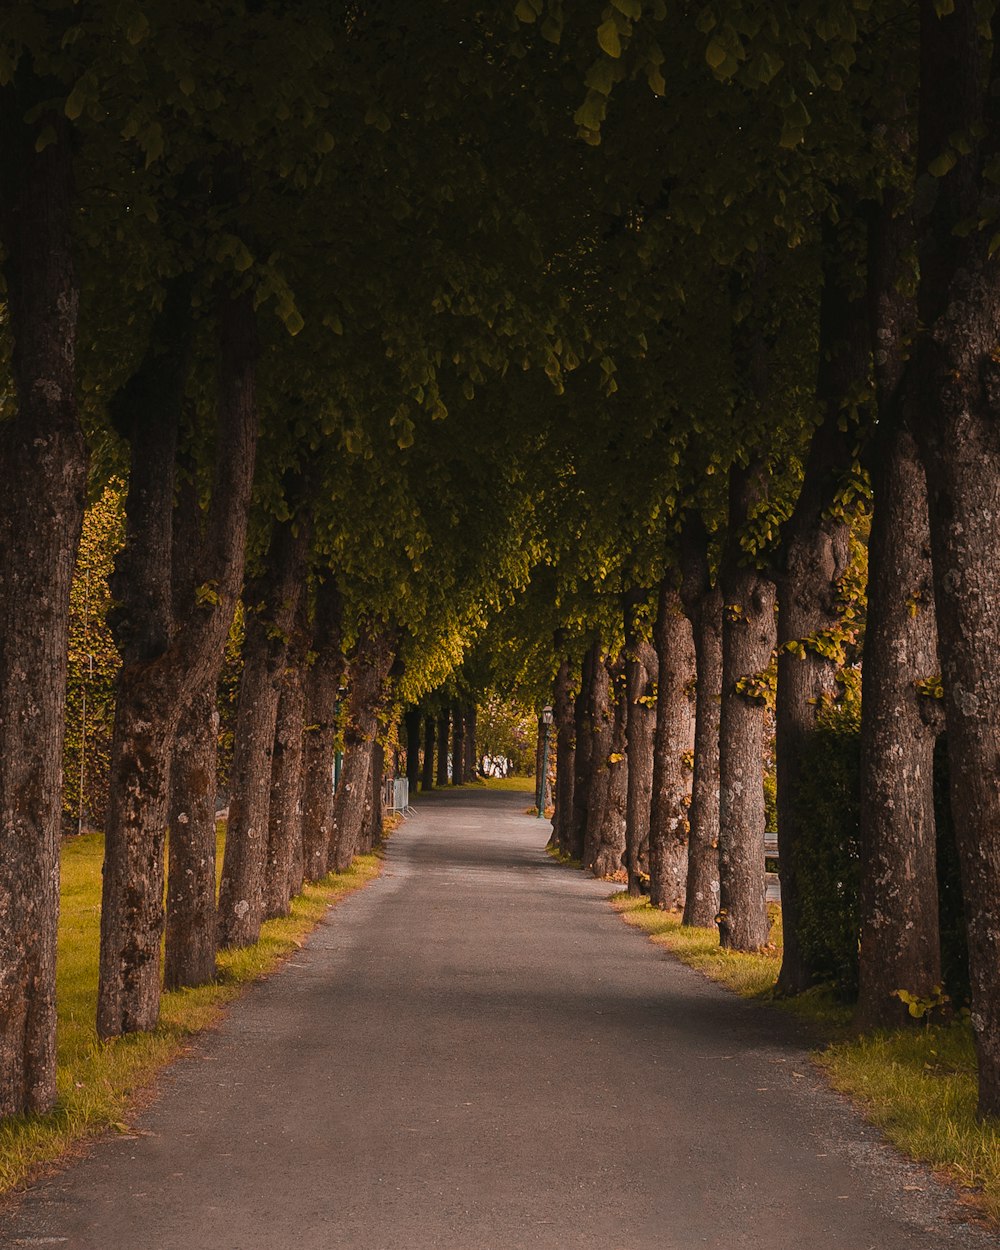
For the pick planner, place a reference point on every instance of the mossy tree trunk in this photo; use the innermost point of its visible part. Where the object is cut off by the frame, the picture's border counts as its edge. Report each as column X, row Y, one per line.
column 565, row 726
column 957, row 431
column 703, row 606
column 427, row 776
column 815, row 552
column 641, row 668
column 322, row 692
column 668, row 820
column 600, row 716
column 368, row 674
column 272, row 606
column 583, row 756
column 900, row 932
column 43, row 458
column 284, row 832
column 443, row 730
column 748, row 637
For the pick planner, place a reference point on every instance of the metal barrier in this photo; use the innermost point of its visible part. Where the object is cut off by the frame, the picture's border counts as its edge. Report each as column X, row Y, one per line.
column 396, row 794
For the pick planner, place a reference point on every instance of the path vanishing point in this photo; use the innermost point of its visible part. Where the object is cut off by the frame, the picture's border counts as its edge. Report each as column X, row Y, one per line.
column 476, row 1053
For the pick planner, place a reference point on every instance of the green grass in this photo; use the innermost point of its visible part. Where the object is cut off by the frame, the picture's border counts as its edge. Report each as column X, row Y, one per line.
column 918, row 1085
column 99, row 1082
column 523, row 785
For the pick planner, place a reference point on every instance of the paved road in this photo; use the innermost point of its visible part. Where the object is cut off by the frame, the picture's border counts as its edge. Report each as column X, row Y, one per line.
column 475, row 1053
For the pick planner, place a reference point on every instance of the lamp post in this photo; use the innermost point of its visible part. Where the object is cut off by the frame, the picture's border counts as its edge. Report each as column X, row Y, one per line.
column 546, row 722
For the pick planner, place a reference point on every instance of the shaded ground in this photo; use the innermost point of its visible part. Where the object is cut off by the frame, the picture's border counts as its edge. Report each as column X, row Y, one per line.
column 474, row 1053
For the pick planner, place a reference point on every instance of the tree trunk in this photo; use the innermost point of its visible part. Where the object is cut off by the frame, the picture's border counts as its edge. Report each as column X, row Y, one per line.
column 900, row 941
column 815, row 554
column 154, row 691
column 270, row 622
column 412, row 721
column 43, row 458
column 471, row 758
column 601, row 718
column 562, row 821
column 147, row 412
column 191, row 917
column 583, row 755
column 540, row 738
column 367, row 677
column 284, row 834
column 641, row 669
column 748, row 637
column 457, row 746
column 958, row 384
column 611, row 848
column 900, row 937
column 373, row 828
column 668, row 821
column 444, row 724
column 319, row 748
column 703, row 606
column 427, row 777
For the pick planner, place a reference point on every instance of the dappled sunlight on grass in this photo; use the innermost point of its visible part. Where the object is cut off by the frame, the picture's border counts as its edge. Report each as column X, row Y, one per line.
column 525, row 785
column 98, row 1080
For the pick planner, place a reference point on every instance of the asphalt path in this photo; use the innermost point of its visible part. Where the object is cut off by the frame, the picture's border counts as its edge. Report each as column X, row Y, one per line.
column 475, row 1053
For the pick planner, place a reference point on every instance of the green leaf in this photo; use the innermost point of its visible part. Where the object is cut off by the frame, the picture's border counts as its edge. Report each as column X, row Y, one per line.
column 942, row 164
column 715, row 54
column 137, row 29
column 76, row 101
column 608, row 38
column 629, row 8
column 601, row 77
column 47, row 136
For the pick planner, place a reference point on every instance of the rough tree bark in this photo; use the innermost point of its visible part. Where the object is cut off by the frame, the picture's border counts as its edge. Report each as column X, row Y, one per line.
column 471, row 758
column 956, row 426
column 284, row 832
column 815, row 551
column 600, row 715
column 155, row 685
column 272, row 605
column 668, row 819
column 427, row 776
column 322, row 686
column 611, row 847
column 443, row 727
column 190, row 941
column 367, row 676
column 641, row 669
column 748, row 637
column 43, row 459
column 190, row 947
column 583, row 755
column 900, row 936
column 457, row 745
column 412, row 721
column 373, row 825
column 703, row 606
column 562, row 706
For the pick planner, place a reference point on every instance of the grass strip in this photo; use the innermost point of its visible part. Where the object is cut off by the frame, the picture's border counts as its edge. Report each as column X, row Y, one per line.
column 100, row 1081
column 918, row 1086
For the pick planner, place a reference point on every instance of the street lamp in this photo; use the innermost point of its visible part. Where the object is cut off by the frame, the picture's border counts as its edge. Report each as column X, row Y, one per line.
column 546, row 722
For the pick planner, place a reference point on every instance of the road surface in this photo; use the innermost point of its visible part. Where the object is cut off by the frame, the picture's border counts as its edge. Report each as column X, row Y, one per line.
column 476, row 1053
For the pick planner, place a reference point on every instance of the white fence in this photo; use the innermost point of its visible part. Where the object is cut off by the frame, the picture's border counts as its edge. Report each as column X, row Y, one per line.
column 396, row 794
